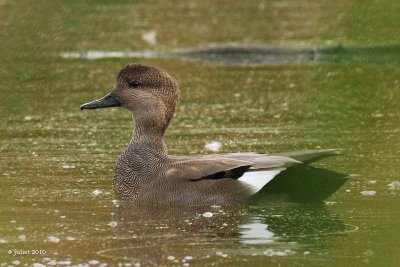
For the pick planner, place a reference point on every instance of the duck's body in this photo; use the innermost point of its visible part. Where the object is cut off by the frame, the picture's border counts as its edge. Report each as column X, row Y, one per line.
column 146, row 174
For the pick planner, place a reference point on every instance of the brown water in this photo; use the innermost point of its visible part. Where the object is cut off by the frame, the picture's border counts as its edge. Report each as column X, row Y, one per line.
column 56, row 162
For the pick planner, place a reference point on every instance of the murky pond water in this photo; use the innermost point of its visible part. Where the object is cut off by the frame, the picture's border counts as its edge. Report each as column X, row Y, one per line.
column 56, row 200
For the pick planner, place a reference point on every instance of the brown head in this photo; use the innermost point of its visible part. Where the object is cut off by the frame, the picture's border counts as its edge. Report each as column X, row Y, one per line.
column 148, row 92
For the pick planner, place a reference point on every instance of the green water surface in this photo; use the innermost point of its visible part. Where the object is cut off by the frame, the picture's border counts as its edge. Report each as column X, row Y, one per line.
column 56, row 162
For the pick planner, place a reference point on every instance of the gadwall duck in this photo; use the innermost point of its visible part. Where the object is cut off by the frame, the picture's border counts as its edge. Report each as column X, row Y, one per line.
column 146, row 174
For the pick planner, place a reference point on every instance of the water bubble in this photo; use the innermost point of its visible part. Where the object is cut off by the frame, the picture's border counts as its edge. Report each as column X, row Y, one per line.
column 116, row 202
column 113, row 224
column 96, row 192
column 188, row 258
column 395, row 185
column 22, row 238
column 368, row 193
column 52, row 262
column 280, row 253
column 150, row 37
column 369, row 252
column 377, row 114
column 94, row 262
column 269, row 252
column 68, row 166
column 222, row 254
column 66, row 262
column 53, row 239
column 207, row 214
column 213, row 146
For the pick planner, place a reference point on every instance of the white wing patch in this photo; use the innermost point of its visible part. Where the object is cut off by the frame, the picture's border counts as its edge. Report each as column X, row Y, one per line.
column 258, row 179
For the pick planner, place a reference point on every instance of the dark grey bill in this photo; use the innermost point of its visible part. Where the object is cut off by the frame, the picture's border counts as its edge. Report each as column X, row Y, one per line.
column 107, row 101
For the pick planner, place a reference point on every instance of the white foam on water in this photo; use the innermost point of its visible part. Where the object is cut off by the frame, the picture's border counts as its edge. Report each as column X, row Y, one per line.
column 150, row 37
column 368, row 193
column 214, row 146
column 53, row 239
column 207, row 214
column 395, row 185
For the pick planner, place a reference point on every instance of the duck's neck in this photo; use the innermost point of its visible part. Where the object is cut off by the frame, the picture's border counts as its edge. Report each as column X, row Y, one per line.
column 149, row 131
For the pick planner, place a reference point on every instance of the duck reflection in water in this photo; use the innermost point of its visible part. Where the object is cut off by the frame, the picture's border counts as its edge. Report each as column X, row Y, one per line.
column 158, row 235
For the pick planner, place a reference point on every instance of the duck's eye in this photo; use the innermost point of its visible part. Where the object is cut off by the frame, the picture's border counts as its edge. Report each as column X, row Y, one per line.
column 134, row 84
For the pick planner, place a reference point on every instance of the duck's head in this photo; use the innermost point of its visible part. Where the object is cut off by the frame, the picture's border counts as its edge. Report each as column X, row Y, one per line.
column 149, row 92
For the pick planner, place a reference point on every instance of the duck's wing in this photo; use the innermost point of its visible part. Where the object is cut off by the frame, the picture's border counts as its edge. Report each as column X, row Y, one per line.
column 300, row 183
column 207, row 168
column 305, row 156
column 265, row 161
column 310, row 156
column 224, row 166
